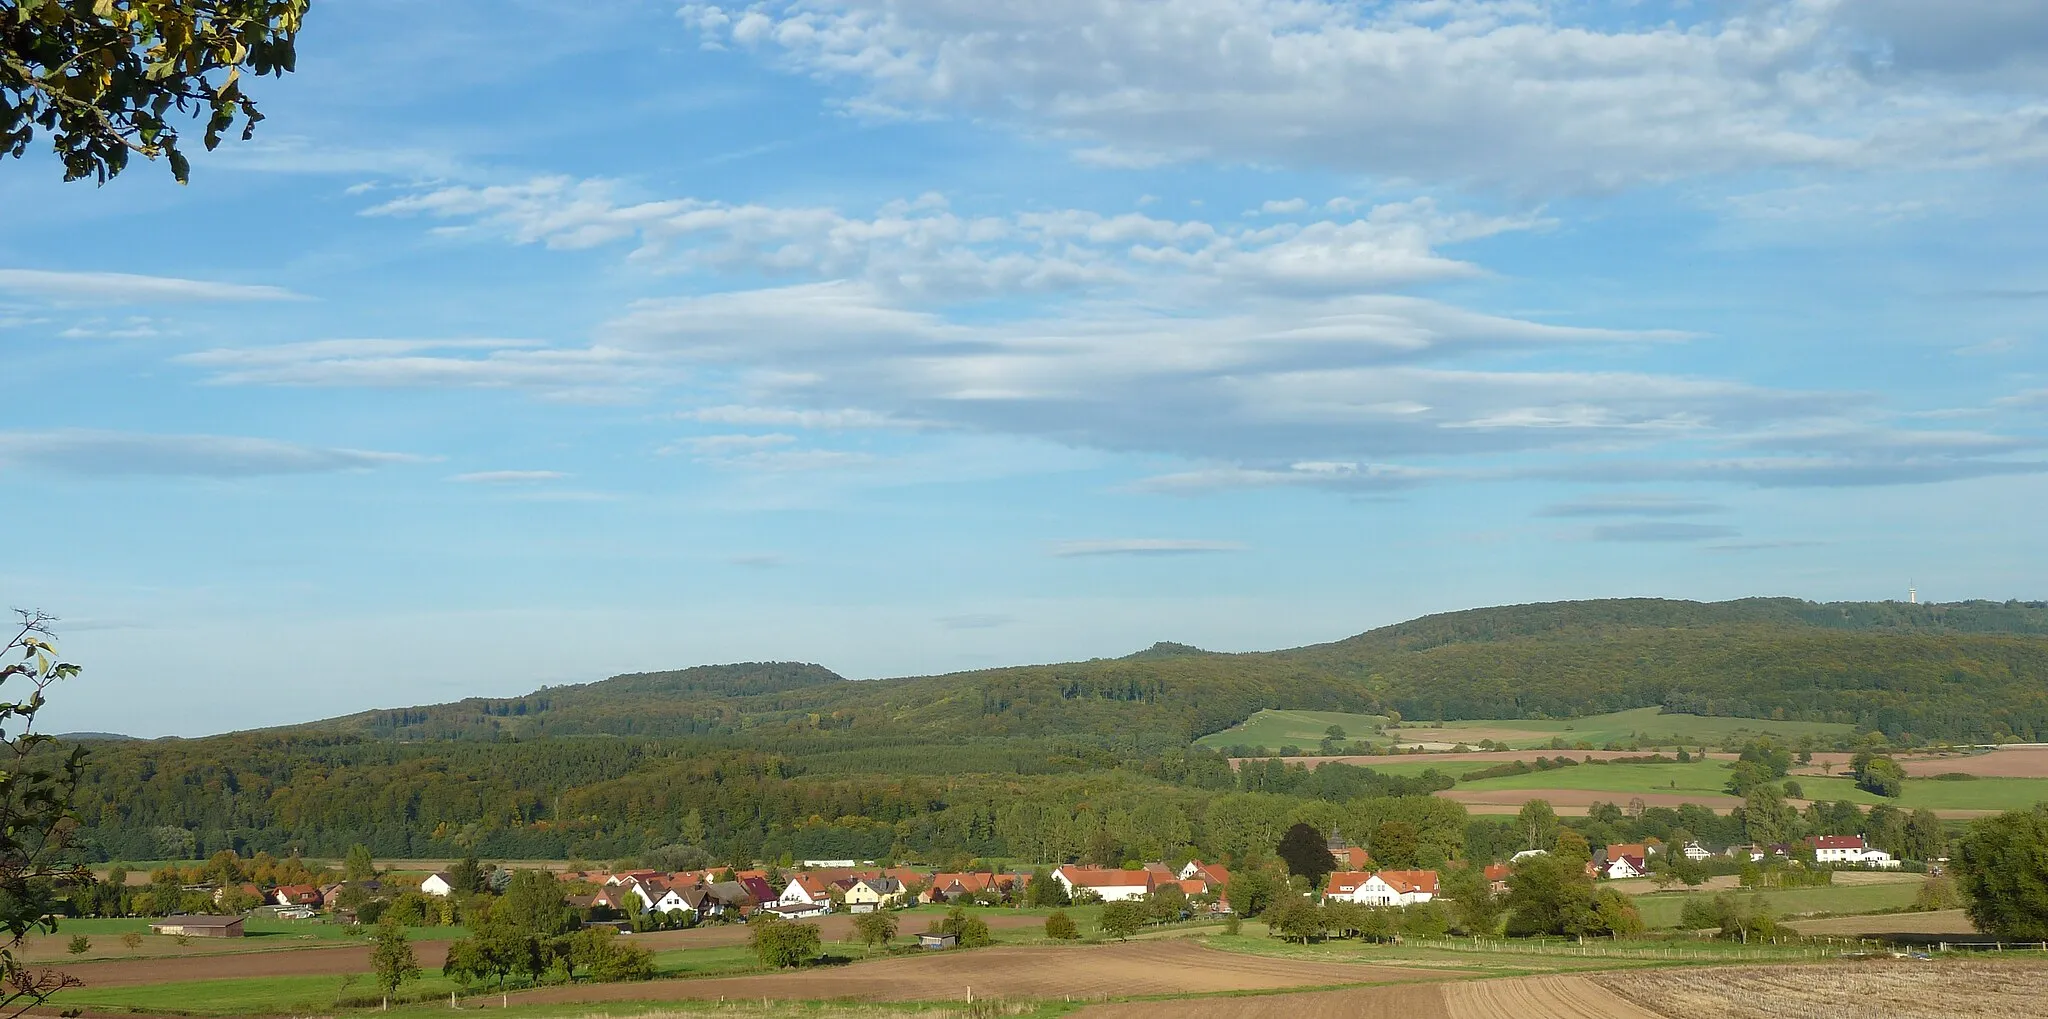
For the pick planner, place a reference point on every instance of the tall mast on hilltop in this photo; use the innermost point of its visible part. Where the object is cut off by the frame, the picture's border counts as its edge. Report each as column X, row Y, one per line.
column 1912, row 594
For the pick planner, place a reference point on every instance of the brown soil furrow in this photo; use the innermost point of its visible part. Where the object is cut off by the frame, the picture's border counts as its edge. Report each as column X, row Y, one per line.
column 1549, row 997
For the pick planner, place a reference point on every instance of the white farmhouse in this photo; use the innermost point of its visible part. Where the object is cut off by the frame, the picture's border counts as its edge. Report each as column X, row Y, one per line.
column 1112, row 885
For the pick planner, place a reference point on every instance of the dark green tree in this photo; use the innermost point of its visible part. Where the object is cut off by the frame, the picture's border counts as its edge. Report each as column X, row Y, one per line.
column 359, row 866
column 1306, row 852
column 1397, row 845
column 1475, row 907
column 101, row 78
column 1296, row 918
column 782, row 943
column 535, row 903
column 2002, row 867
column 1120, row 920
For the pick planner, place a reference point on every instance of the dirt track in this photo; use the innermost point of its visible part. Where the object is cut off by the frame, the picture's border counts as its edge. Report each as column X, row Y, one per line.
column 1548, row 997
column 1098, row 971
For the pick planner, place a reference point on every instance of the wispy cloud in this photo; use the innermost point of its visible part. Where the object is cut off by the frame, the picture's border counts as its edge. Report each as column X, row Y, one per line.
column 1661, row 531
column 507, row 477
column 1141, row 547
column 127, row 288
column 1632, row 506
column 89, row 452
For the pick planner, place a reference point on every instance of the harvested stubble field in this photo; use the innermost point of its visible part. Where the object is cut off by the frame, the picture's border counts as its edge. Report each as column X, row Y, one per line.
column 1133, row 969
column 1941, row 921
column 1894, row 989
column 1545, row 997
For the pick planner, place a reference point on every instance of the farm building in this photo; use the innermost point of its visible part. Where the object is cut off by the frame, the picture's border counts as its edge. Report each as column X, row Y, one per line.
column 1111, row 885
column 199, row 926
column 1849, row 849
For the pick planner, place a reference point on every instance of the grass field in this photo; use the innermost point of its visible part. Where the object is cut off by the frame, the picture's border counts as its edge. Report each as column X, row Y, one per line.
column 1979, row 794
column 1661, row 911
column 1274, row 729
column 1650, row 726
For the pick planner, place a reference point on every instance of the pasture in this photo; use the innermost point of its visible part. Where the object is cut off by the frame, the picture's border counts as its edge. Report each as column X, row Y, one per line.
column 1273, row 729
column 1646, row 726
column 1661, row 910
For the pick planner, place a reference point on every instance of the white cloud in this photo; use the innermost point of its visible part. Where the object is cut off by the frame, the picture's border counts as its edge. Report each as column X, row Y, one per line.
column 572, row 373
column 126, row 288
column 923, row 248
column 1140, row 547
column 1535, row 96
column 91, row 452
column 507, row 477
column 712, row 445
column 1633, row 505
column 789, row 417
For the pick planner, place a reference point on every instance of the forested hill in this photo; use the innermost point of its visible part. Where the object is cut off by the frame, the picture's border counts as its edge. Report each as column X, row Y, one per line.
column 786, row 757
column 1966, row 670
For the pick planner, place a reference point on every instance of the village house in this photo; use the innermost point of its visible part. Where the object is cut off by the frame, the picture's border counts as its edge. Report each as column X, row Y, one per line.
column 806, row 889
column 1621, row 867
column 295, row 895
column 1497, row 875
column 952, row 887
column 438, row 883
column 1112, row 885
column 1850, row 850
column 1695, row 852
column 1212, row 874
column 872, row 893
column 1382, row 888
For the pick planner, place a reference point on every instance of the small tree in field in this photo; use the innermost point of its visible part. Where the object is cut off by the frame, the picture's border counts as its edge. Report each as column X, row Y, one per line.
column 132, row 940
column 392, row 960
column 876, row 928
column 1060, row 927
column 79, row 944
column 1120, row 920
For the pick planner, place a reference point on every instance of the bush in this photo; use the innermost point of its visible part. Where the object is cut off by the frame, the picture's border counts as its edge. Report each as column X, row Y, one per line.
column 79, row 945
column 782, row 944
column 1060, row 927
column 1232, row 925
column 970, row 931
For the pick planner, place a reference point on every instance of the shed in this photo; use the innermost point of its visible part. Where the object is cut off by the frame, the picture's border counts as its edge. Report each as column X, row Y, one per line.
column 199, row 926
column 937, row 941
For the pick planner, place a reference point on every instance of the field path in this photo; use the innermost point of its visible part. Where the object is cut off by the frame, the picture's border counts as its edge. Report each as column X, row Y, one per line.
column 1092, row 971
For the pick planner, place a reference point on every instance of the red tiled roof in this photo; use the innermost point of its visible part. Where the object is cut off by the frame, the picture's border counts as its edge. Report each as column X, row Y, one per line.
column 1344, row 882
column 1410, row 880
column 1837, row 842
column 1104, row 877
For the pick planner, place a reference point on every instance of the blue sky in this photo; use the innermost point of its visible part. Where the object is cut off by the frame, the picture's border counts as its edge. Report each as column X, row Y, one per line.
column 532, row 342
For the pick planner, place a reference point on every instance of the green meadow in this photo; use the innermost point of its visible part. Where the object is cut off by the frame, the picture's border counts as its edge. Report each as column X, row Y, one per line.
column 1648, row 726
column 1272, row 728
column 1661, row 910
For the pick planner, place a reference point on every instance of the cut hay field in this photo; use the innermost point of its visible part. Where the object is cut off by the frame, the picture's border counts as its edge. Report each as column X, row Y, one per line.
column 1941, row 921
column 1082, row 972
column 1275, row 728
column 1983, row 794
column 1944, row 989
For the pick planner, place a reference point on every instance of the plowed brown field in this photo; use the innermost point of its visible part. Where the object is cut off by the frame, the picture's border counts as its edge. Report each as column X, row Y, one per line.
column 1891, row 989
column 1132, row 969
column 1943, row 921
column 1551, row 997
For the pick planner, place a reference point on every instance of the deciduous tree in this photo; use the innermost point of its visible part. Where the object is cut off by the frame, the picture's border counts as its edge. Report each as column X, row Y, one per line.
column 1306, row 853
column 102, row 79
column 37, row 788
column 2002, row 867
column 391, row 960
